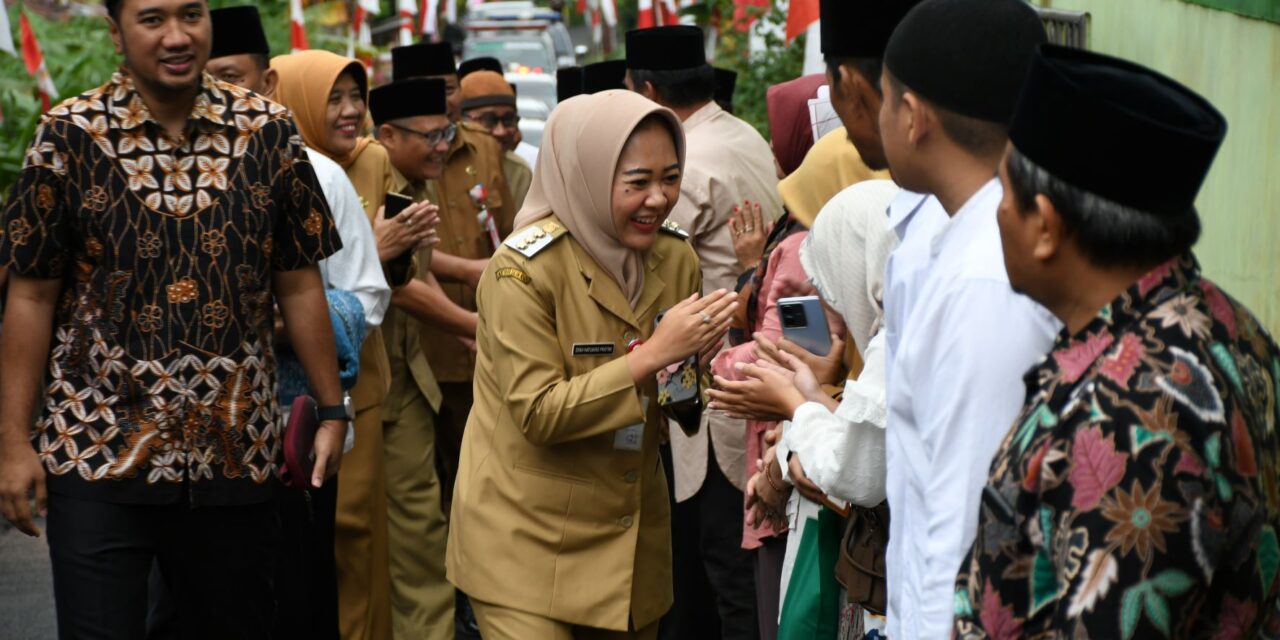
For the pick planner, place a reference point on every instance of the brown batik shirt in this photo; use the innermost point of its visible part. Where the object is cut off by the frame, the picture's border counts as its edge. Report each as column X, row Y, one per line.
column 161, row 377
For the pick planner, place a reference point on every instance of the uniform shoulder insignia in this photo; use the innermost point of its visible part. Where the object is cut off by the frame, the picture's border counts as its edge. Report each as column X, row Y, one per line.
column 536, row 237
column 674, row 229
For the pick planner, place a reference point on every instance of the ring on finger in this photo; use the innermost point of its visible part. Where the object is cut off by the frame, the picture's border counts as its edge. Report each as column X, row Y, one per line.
column 748, row 228
column 706, row 318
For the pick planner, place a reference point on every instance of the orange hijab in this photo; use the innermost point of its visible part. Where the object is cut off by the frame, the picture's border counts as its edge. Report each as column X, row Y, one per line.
column 306, row 78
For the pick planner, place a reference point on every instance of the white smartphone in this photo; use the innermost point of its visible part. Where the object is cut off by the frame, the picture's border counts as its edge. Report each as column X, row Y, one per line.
column 805, row 323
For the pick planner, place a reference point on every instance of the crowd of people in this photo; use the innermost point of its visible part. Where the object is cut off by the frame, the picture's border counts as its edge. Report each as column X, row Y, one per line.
column 947, row 367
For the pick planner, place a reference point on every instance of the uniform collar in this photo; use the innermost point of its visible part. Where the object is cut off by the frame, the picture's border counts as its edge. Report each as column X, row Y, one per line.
column 609, row 295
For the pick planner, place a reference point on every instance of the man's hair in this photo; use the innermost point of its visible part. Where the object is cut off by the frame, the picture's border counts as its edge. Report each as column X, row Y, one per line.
column 113, row 8
column 1109, row 234
column 868, row 68
column 679, row 87
column 261, row 60
column 982, row 138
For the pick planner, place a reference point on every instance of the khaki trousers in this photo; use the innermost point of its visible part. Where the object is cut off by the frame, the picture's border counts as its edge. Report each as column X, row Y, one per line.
column 500, row 623
column 421, row 598
column 360, row 535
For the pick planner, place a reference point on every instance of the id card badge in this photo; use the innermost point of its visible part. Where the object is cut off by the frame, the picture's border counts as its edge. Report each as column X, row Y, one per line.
column 629, row 438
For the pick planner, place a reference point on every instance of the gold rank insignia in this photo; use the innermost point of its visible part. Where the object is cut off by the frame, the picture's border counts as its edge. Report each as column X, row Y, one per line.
column 674, row 229
column 534, row 238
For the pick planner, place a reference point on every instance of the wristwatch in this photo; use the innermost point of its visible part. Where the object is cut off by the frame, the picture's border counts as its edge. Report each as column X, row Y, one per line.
column 334, row 412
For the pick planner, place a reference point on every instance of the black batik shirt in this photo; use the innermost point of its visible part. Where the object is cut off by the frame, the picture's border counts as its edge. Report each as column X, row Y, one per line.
column 1137, row 495
column 161, row 377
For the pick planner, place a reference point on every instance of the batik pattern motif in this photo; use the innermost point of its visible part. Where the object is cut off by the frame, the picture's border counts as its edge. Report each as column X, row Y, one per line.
column 161, row 370
column 1136, row 496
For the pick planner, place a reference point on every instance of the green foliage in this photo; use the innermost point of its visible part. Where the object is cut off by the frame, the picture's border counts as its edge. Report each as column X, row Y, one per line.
column 780, row 61
column 80, row 55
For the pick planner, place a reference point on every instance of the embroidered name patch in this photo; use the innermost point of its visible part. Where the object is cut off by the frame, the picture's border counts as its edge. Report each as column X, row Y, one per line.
column 593, row 348
column 512, row 272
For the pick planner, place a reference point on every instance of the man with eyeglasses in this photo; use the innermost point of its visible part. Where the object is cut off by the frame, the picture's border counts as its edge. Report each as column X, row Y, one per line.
column 489, row 102
column 411, row 117
column 476, row 214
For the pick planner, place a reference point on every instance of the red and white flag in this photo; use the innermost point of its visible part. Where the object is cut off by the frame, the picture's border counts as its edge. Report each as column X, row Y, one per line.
column 297, row 27
column 34, row 61
column 800, row 15
column 407, row 9
column 609, row 11
column 430, row 14
column 645, row 18
column 360, row 32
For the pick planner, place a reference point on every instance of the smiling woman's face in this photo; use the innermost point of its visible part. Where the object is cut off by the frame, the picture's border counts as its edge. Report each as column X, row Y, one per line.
column 646, row 184
column 343, row 115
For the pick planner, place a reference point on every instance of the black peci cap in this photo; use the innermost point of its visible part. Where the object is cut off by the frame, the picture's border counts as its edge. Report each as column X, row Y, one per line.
column 602, row 76
column 407, row 98
column 485, row 63
column 726, row 82
column 1116, row 129
column 966, row 56
column 236, row 31
column 568, row 83
column 666, row 48
column 860, row 28
column 422, row 59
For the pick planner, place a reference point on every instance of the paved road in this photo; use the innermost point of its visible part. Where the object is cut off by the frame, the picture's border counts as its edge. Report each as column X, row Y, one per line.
column 26, row 587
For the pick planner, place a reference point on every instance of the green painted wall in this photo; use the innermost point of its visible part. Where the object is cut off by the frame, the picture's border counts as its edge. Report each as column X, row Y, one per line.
column 1235, row 62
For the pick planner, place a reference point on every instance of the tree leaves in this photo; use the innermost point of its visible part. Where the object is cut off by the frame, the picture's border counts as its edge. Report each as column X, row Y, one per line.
column 1097, row 467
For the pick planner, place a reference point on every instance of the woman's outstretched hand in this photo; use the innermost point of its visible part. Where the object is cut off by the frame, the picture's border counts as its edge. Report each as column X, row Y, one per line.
column 693, row 326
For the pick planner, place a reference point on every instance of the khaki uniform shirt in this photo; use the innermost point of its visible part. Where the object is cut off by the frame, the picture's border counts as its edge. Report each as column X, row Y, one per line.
column 370, row 175
column 519, row 177
column 475, row 160
column 726, row 162
column 561, row 507
column 401, row 332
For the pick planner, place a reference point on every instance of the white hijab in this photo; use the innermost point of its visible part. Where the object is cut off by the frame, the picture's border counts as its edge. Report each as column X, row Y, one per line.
column 846, row 251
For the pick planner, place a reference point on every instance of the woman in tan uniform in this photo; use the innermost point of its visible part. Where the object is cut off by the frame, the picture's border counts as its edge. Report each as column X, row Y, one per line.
column 560, row 524
column 328, row 95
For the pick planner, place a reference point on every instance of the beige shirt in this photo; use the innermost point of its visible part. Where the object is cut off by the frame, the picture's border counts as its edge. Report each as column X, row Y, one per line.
column 726, row 162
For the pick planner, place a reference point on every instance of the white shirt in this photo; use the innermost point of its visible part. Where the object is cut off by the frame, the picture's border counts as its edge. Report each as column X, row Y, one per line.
column 528, row 152
column 916, row 219
column 843, row 452
column 955, row 389
column 355, row 267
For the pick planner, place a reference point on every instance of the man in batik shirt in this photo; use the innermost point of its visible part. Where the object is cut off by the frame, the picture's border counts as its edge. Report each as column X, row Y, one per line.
column 1136, row 496
column 154, row 221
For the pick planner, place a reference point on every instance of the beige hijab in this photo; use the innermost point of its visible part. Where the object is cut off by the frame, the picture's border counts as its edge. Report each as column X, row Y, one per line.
column 306, row 78
column 574, row 177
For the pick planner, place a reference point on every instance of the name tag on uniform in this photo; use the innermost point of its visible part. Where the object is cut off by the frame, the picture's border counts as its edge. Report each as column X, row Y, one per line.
column 629, row 438
column 593, row 348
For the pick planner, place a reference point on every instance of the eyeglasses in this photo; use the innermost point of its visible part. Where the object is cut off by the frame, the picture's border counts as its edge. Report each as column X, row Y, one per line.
column 434, row 137
column 490, row 120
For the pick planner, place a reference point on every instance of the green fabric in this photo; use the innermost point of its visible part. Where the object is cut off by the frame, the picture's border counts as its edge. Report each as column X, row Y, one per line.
column 811, row 608
column 1264, row 9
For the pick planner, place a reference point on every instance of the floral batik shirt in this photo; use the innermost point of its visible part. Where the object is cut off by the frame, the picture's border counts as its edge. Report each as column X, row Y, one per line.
column 1136, row 496
column 161, row 376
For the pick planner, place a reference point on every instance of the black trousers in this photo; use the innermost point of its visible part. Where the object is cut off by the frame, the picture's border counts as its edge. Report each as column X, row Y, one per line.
column 715, row 589
column 217, row 562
